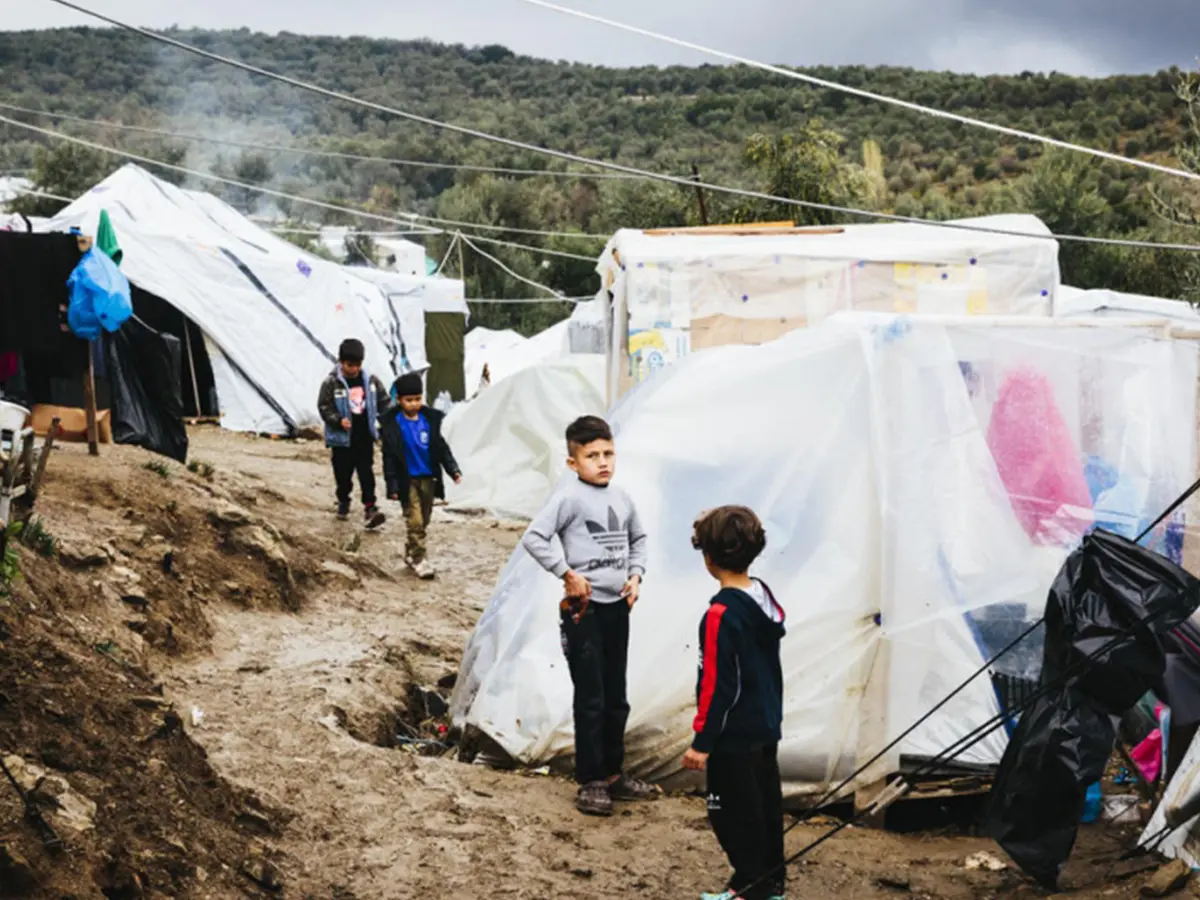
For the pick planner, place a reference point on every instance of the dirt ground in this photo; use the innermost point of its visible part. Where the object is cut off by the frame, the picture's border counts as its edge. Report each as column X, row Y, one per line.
column 221, row 668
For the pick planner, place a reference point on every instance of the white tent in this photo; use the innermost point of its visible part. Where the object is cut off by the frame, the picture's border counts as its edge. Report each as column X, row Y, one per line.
column 872, row 447
column 675, row 291
column 408, row 302
column 509, row 440
column 481, row 346
column 1072, row 302
column 270, row 316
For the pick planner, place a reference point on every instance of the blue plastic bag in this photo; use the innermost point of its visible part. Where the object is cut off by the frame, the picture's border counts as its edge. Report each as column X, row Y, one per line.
column 1092, row 803
column 100, row 297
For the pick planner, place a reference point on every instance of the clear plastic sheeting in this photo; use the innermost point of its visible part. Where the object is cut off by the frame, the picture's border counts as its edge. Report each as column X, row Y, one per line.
column 902, row 556
column 509, row 441
column 1072, row 302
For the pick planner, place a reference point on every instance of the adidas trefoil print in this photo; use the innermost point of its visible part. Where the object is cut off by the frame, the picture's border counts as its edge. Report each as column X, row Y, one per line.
column 593, row 530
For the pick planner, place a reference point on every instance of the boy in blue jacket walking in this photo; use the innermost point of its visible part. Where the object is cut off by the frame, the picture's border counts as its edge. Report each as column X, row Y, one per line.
column 739, row 706
column 349, row 404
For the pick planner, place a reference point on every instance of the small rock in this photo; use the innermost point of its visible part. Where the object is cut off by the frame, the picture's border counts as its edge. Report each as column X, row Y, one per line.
column 229, row 515
column 983, row 862
column 151, row 702
column 894, row 882
column 582, row 873
column 82, row 554
column 334, row 568
column 263, row 873
column 16, row 875
column 1167, row 880
column 255, row 821
column 137, row 601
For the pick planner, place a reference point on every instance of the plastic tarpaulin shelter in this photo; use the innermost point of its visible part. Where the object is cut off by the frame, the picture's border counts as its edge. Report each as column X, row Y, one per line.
column 509, row 440
column 676, row 291
column 1070, row 302
column 894, row 544
column 271, row 314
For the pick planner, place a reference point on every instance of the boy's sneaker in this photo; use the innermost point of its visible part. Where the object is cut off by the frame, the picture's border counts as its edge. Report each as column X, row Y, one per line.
column 594, row 799
column 422, row 569
column 343, row 512
column 373, row 518
column 630, row 789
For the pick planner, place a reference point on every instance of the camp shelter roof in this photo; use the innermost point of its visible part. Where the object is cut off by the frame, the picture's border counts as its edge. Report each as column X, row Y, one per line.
column 271, row 314
column 675, row 276
column 1073, row 302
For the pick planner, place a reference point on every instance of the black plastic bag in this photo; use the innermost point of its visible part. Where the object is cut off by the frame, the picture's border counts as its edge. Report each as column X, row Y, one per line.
column 1116, row 601
column 147, row 407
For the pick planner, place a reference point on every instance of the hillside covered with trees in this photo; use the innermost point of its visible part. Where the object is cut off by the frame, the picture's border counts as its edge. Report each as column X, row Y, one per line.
column 739, row 126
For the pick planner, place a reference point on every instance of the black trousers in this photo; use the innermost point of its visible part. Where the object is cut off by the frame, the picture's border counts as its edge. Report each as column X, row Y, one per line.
column 597, row 651
column 347, row 461
column 745, row 807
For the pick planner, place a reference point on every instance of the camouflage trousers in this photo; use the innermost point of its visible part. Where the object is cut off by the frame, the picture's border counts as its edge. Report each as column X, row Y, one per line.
column 417, row 512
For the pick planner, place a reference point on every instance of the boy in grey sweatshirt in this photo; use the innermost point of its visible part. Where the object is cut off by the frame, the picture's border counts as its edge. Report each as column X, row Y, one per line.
column 589, row 535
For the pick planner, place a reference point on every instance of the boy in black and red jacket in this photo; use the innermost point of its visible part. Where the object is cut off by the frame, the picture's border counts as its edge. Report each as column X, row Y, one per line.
column 739, row 706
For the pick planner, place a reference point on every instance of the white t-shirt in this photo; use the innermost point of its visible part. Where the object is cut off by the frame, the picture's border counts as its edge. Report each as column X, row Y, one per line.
column 762, row 596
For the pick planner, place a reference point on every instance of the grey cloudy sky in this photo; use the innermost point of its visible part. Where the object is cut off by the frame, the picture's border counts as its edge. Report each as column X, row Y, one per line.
column 1084, row 37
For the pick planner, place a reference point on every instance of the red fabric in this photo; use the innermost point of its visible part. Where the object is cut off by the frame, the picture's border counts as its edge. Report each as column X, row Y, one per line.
column 8, row 366
column 1037, row 458
column 708, row 679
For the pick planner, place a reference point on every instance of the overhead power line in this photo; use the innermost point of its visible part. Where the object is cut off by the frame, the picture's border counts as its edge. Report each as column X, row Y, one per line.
column 690, row 183
column 310, row 151
column 407, row 218
column 865, row 94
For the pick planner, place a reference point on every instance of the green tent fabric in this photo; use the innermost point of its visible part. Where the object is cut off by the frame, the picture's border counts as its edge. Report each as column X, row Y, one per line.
column 444, row 350
column 106, row 238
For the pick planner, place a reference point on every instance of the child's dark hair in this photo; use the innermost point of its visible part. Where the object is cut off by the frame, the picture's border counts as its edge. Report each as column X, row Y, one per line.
column 352, row 351
column 732, row 537
column 586, row 429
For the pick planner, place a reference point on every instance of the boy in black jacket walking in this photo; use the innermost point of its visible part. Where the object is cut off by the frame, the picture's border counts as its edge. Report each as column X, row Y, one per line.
column 349, row 403
column 739, row 706
column 414, row 456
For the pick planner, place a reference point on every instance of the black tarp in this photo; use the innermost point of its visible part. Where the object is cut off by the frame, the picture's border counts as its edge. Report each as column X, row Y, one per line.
column 147, row 407
column 1115, row 601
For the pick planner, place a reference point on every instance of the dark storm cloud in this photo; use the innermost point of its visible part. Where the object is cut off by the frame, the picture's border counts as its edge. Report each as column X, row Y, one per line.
column 1087, row 37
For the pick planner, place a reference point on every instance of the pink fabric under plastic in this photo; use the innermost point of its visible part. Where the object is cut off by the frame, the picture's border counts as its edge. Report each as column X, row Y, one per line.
column 1148, row 755
column 1037, row 459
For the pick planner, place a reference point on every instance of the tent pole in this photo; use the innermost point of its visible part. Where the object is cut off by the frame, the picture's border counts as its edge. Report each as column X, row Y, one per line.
column 89, row 401
column 187, row 339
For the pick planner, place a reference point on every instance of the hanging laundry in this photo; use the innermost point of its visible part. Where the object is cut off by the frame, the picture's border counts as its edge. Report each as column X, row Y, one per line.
column 106, row 239
column 34, row 269
column 1037, row 460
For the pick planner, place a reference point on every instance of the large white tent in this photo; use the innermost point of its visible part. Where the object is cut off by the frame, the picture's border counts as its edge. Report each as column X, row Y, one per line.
column 887, row 457
column 509, row 440
column 670, row 292
column 269, row 315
